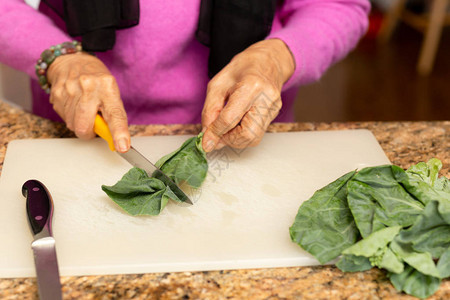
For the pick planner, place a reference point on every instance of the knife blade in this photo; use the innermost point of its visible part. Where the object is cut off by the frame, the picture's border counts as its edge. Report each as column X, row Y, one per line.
column 136, row 159
column 39, row 205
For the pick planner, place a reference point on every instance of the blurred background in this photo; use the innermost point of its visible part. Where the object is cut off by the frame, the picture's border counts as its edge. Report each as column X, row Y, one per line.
column 400, row 71
column 401, row 77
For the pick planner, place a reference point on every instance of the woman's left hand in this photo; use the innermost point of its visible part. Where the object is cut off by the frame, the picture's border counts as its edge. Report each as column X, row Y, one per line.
column 244, row 97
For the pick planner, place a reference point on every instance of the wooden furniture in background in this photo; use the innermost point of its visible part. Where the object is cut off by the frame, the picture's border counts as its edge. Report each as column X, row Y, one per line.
column 430, row 24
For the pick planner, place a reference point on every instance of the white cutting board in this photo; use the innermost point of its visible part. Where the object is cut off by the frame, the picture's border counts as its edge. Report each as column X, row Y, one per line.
column 240, row 218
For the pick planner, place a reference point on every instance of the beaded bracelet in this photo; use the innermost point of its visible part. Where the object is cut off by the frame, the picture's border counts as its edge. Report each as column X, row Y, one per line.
column 49, row 55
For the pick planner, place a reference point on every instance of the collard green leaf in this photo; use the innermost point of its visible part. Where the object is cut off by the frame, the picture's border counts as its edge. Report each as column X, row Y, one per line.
column 415, row 283
column 324, row 224
column 420, row 189
column 426, row 172
column 352, row 263
column 403, row 218
column 444, row 210
column 139, row 194
column 422, row 181
column 443, row 264
column 136, row 181
column 383, row 258
column 365, row 208
column 390, row 262
column 430, row 233
column 442, row 184
column 377, row 200
column 186, row 164
column 374, row 242
column 399, row 279
column 374, row 247
column 421, row 261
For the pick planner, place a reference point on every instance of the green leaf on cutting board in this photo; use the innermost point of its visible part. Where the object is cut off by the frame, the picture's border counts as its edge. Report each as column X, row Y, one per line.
column 139, row 194
column 324, row 225
column 187, row 164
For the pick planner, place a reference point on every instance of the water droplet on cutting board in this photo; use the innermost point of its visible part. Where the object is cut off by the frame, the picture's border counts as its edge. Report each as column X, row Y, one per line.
column 270, row 190
column 228, row 216
column 227, row 198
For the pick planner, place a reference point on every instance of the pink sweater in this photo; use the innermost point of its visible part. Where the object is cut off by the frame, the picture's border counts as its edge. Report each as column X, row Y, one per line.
column 160, row 67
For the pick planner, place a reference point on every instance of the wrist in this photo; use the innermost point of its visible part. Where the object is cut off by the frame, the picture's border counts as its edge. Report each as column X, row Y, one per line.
column 47, row 58
column 285, row 59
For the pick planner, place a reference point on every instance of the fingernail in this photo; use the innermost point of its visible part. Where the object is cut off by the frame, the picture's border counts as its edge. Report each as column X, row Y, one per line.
column 123, row 145
column 209, row 146
column 204, row 129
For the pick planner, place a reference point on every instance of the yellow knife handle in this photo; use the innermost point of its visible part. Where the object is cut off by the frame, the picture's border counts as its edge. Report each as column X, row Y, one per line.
column 102, row 130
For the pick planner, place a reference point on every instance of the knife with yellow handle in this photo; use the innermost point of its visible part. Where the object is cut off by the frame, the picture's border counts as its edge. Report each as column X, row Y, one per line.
column 137, row 159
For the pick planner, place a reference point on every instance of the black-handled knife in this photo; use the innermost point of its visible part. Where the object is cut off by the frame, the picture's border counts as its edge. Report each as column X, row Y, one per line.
column 40, row 213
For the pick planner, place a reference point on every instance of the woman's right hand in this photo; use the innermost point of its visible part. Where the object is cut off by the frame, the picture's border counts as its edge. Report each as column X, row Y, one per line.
column 82, row 86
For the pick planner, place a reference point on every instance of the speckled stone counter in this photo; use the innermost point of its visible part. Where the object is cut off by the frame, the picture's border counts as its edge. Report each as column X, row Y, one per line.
column 405, row 143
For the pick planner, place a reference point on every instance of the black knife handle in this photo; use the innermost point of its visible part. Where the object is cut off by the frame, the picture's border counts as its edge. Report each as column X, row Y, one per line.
column 39, row 206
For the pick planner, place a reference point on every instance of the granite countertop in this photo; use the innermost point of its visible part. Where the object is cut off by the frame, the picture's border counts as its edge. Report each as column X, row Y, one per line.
column 405, row 143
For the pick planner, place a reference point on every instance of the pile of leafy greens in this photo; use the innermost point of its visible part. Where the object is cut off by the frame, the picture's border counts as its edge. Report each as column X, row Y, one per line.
column 139, row 194
column 386, row 217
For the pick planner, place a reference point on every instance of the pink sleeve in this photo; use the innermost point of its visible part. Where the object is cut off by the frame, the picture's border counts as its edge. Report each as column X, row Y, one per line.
column 24, row 34
column 319, row 33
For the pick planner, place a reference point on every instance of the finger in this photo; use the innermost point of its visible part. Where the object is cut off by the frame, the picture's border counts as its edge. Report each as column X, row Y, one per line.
column 72, row 95
column 254, row 124
column 56, row 99
column 216, row 97
column 246, row 134
column 84, row 116
column 69, row 112
column 265, row 107
column 79, row 107
column 214, row 103
column 239, row 102
column 58, row 93
column 115, row 116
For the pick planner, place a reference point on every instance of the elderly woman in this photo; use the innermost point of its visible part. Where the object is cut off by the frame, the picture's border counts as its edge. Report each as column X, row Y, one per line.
column 229, row 64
